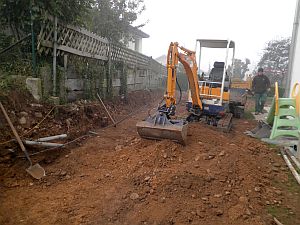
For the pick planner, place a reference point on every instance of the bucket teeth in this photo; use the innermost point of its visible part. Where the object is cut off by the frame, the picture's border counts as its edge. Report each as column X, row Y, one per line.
column 159, row 127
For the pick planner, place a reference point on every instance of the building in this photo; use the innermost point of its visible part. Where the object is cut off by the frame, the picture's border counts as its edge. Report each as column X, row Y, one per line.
column 294, row 59
column 136, row 41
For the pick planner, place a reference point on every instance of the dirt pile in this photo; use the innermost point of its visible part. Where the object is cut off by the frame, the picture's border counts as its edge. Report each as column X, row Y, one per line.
column 118, row 178
column 34, row 120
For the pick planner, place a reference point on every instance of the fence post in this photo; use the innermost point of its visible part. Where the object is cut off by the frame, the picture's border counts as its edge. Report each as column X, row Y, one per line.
column 108, row 73
column 54, row 55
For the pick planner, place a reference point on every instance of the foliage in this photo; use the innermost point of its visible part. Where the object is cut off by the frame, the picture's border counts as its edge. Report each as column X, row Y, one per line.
column 240, row 68
column 16, row 18
column 275, row 60
column 112, row 18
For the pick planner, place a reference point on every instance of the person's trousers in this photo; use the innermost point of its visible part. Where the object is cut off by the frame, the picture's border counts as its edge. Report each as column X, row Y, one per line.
column 260, row 99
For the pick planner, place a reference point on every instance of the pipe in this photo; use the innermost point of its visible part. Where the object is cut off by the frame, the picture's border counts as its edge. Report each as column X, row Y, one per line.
column 289, row 164
column 293, row 158
column 277, row 221
column 50, row 138
column 44, row 144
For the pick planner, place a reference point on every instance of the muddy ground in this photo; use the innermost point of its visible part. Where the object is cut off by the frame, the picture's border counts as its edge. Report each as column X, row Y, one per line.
column 116, row 177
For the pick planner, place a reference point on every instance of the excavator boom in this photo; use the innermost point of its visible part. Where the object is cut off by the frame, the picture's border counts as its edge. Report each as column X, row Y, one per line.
column 161, row 126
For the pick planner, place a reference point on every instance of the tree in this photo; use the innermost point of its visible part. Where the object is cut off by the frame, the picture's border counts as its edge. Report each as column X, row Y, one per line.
column 112, row 18
column 16, row 18
column 275, row 60
column 240, row 68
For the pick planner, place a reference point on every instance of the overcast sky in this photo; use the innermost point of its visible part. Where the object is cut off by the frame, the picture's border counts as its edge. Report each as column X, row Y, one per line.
column 250, row 23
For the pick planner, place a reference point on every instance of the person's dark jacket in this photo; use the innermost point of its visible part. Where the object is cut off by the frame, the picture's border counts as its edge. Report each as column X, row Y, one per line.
column 260, row 84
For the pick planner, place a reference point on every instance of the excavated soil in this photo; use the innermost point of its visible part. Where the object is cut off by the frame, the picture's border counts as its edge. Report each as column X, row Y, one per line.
column 118, row 178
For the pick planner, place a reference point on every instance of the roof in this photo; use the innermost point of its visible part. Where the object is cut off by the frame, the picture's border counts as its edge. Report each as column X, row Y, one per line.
column 138, row 32
column 213, row 43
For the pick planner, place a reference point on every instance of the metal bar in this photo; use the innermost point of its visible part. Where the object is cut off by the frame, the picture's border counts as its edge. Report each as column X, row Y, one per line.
column 54, row 56
column 111, row 118
column 224, row 72
column 13, row 45
column 32, row 42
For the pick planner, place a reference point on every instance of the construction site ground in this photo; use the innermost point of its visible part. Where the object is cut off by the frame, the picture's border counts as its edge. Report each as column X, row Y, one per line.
column 115, row 177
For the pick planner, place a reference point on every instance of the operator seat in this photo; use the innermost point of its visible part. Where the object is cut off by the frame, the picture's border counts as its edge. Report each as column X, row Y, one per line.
column 216, row 75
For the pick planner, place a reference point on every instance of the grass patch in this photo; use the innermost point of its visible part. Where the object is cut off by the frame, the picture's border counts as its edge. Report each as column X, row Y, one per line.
column 281, row 213
column 248, row 115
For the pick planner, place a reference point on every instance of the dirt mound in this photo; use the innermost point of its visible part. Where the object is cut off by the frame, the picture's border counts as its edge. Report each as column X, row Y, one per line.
column 118, row 178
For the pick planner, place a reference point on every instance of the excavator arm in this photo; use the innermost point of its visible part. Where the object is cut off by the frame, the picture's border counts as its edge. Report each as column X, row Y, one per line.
column 188, row 60
column 161, row 126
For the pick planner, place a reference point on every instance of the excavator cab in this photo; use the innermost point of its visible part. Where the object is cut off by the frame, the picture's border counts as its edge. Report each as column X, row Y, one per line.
column 215, row 91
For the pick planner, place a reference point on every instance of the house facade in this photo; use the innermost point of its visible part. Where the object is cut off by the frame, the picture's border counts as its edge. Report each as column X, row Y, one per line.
column 294, row 65
column 136, row 40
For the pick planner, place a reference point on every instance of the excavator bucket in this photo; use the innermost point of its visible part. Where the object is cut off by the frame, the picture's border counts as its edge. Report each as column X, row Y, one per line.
column 160, row 127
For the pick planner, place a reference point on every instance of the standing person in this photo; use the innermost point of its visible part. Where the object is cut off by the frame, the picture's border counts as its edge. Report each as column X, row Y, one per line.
column 260, row 87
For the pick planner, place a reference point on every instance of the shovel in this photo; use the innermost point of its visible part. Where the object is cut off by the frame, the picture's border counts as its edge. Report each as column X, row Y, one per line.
column 36, row 170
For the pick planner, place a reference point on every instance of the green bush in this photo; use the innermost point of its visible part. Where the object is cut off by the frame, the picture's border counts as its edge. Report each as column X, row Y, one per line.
column 281, row 91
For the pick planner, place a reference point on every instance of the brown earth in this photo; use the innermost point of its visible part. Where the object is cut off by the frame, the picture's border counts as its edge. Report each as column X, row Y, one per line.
column 118, row 178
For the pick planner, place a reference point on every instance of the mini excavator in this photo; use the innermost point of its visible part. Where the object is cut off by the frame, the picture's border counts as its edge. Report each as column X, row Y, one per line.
column 163, row 124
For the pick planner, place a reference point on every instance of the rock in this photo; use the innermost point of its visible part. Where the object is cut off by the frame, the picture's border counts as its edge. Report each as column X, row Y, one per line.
column 196, row 166
column 134, row 196
column 275, row 169
column 276, row 164
column 38, row 115
column 197, row 158
column 177, row 210
column 217, row 195
column 209, row 157
column 23, row 114
column 247, row 212
column 243, row 199
column 163, row 200
column 227, row 192
column 257, row 189
column 165, row 155
column 219, row 212
column 222, row 153
column 204, row 199
column 193, row 196
column 118, row 147
column 22, row 120
column 278, row 192
column 30, row 184
column 267, row 203
column 180, row 159
column 147, row 178
column 63, row 173
column 68, row 176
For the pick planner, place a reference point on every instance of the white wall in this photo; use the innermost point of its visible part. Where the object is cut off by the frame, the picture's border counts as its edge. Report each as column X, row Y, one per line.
column 294, row 64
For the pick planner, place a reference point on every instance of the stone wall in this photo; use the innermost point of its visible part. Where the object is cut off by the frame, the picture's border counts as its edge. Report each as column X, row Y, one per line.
column 84, row 80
